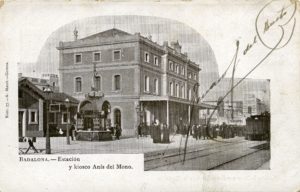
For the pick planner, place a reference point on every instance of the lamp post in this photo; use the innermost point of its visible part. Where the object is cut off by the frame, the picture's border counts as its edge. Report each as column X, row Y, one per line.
column 67, row 103
column 48, row 91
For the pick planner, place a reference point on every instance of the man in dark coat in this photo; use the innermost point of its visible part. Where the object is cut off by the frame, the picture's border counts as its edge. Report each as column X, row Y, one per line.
column 31, row 146
column 156, row 133
column 166, row 134
column 72, row 130
column 118, row 131
column 140, row 130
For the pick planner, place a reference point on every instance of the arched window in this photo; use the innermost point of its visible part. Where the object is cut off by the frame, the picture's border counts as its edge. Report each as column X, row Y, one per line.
column 156, row 86
column 117, row 82
column 117, row 117
column 146, row 86
column 98, row 83
column 78, row 84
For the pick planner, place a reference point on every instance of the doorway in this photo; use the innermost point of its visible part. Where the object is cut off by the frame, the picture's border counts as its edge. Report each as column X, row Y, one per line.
column 22, row 120
column 117, row 117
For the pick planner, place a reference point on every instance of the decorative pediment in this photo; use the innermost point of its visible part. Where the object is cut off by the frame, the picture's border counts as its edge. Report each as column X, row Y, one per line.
column 107, row 34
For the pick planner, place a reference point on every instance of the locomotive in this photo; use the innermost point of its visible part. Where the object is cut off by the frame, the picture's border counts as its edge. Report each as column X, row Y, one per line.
column 258, row 127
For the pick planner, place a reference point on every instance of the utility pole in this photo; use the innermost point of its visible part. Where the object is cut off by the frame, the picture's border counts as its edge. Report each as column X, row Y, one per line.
column 232, row 79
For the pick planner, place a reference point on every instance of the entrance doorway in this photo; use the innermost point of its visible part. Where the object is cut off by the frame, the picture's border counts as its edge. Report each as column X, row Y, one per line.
column 22, row 124
column 117, row 117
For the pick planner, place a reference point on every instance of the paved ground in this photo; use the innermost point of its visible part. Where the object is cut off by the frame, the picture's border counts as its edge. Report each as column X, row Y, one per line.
column 128, row 145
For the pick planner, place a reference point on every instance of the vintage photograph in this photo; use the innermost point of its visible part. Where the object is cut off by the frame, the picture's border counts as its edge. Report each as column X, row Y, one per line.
column 150, row 96
column 141, row 84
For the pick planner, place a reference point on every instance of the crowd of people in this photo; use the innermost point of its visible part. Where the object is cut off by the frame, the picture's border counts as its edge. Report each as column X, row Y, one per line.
column 156, row 130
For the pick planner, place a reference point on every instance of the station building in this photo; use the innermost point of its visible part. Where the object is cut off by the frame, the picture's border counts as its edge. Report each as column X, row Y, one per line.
column 33, row 104
column 126, row 79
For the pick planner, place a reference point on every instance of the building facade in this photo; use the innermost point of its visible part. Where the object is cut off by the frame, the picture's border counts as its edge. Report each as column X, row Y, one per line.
column 126, row 79
column 45, row 81
column 34, row 105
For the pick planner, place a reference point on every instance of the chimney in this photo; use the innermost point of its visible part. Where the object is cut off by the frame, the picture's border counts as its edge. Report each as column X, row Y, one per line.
column 150, row 37
column 176, row 46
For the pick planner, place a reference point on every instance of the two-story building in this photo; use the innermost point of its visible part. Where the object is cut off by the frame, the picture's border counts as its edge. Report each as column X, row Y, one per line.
column 126, row 79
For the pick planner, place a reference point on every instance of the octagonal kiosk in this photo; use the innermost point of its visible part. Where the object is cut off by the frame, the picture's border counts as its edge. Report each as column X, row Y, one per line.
column 93, row 123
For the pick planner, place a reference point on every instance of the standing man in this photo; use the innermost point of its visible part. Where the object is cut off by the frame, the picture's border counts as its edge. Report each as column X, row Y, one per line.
column 166, row 134
column 140, row 130
column 118, row 131
column 72, row 131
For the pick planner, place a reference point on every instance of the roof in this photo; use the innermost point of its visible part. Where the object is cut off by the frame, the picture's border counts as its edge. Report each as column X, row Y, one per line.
column 105, row 37
column 59, row 97
column 108, row 33
column 207, row 106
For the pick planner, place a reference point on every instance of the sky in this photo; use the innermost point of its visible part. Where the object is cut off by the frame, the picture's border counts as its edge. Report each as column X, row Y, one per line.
column 211, row 28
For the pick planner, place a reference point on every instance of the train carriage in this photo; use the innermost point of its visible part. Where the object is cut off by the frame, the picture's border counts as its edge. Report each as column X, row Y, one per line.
column 258, row 127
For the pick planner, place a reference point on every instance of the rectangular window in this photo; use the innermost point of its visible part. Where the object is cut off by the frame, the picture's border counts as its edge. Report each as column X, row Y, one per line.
column 147, row 57
column 117, row 82
column 146, row 84
column 156, row 86
column 20, row 94
column 52, row 118
column 195, row 76
column 155, row 60
column 171, row 91
column 34, row 80
column 32, row 116
column 98, row 83
column 78, row 58
column 97, row 57
column 117, row 55
column 78, row 84
column 65, row 117
column 43, row 81
column 177, row 90
column 190, row 75
column 249, row 109
column 183, row 92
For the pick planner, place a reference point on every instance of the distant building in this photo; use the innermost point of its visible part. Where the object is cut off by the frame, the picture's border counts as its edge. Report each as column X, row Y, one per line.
column 46, row 80
column 253, row 105
column 227, row 112
column 259, row 87
column 251, row 97
column 33, row 103
column 126, row 79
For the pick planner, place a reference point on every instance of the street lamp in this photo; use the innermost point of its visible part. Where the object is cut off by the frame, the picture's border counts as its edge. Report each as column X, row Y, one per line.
column 67, row 103
column 48, row 91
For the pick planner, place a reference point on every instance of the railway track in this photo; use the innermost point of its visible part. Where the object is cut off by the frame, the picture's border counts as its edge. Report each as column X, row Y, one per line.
column 207, row 157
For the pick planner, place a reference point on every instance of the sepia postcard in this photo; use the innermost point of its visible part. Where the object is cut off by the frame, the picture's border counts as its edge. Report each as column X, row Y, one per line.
column 150, row 96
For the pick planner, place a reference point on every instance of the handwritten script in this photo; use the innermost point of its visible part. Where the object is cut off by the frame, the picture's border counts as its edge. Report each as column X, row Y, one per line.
column 274, row 30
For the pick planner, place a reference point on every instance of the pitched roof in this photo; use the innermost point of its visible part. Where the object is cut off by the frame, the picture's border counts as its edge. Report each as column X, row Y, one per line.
column 59, row 97
column 108, row 33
